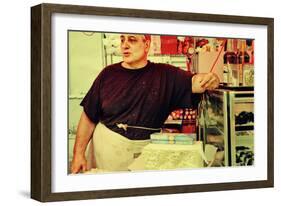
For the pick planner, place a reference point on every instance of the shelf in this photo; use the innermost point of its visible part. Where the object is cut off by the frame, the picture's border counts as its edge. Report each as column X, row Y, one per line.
column 237, row 88
column 244, row 134
column 244, row 127
column 173, row 122
column 214, row 131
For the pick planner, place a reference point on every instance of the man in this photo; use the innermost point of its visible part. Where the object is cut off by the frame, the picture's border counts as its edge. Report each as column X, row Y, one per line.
column 130, row 100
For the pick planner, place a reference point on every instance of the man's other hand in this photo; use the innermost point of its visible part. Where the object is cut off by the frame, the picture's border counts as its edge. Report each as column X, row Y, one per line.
column 78, row 164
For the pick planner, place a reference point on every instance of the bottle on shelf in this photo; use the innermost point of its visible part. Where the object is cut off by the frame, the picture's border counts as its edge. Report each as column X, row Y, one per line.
column 248, row 67
column 230, row 70
column 244, row 60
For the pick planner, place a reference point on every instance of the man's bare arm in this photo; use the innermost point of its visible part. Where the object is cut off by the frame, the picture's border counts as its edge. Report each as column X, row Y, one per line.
column 84, row 133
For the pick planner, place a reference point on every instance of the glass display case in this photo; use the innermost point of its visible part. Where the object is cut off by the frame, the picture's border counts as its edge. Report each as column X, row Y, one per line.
column 226, row 120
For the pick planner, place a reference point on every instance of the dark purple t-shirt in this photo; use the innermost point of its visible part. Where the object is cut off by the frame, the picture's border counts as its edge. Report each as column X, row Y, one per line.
column 138, row 97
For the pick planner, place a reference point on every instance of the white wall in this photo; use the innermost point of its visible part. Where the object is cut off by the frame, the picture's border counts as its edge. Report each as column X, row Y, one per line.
column 15, row 102
column 85, row 62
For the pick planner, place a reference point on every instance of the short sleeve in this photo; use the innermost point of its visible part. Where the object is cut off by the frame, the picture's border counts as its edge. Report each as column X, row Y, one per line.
column 182, row 95
column 91, row 102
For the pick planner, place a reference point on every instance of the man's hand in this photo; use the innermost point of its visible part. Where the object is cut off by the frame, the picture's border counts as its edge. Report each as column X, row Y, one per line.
column 78, row 164
column 203, row 82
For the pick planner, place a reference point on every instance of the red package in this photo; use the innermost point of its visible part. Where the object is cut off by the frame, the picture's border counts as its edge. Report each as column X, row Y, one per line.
column 168, row 45
column 190, row 128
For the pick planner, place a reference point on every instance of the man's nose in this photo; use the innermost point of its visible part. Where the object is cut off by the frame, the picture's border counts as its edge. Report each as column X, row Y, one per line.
column 125, row 44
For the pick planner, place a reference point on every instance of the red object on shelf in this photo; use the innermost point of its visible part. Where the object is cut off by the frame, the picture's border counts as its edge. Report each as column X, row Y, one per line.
column 168, row 44
column 189, row 128
column 188, row 119
column 201, row 42
column 189, row 123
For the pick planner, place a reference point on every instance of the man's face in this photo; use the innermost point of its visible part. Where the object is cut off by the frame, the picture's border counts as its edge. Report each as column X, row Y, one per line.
column 134, row 49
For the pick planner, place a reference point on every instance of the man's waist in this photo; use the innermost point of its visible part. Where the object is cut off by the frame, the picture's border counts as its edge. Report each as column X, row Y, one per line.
column 133, row 132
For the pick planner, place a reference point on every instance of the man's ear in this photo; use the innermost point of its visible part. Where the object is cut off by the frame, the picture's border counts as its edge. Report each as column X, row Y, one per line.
column 147, row 45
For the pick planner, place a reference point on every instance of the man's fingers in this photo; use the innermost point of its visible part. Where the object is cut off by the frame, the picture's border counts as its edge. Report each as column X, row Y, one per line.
column 84, row 167
column 196, row 79
column 210, row 81
column 77, row 169
column 206, row 79
column 79, row 163
column 210, row 84
column 201, row 82
column 74, row 170
column 199, row 78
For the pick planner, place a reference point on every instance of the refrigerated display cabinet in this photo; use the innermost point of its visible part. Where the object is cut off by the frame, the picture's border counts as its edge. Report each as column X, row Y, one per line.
column 226, row 120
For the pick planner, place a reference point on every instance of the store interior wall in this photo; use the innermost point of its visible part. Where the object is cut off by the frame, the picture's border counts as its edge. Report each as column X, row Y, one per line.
column 85, row 63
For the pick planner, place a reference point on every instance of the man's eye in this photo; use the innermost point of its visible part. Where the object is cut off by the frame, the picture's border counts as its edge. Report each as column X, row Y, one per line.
column 132, row 40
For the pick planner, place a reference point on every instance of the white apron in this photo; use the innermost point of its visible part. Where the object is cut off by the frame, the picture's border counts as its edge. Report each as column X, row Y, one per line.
column 110, row 151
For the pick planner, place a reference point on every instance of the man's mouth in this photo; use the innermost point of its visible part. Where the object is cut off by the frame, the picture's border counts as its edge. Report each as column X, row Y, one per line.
column 126, row 54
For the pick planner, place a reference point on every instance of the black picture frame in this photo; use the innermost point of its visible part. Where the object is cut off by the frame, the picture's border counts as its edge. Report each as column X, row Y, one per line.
column 41, row 96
